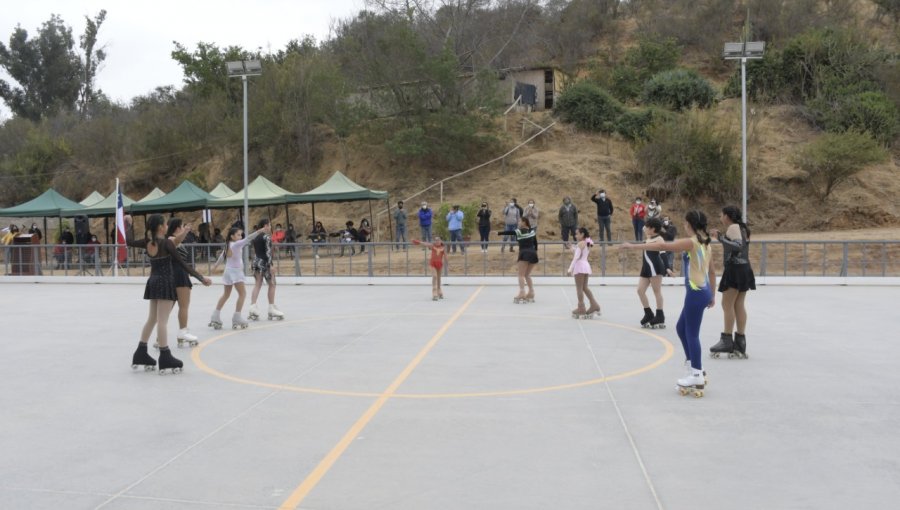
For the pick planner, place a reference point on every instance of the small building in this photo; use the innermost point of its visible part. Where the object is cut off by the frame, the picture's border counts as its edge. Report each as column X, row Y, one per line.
column 539, row 86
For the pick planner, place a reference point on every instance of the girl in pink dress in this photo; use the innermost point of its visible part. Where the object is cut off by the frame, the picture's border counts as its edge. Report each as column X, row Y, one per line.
column 581, row 269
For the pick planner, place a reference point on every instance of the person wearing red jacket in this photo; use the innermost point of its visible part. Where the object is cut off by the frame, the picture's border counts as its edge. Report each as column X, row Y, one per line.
column 638, row 211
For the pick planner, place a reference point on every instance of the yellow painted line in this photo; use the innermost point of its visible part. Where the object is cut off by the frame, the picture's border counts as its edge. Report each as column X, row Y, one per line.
column 308, row 484
column 198, row 361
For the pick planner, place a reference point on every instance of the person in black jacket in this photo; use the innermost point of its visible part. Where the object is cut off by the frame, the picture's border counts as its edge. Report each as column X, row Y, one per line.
column 604, row 213
column 528, row 258
column 484, row 225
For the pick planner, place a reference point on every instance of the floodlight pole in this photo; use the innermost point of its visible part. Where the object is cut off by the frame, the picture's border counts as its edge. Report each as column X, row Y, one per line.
column 743, row 138
column 246, row 191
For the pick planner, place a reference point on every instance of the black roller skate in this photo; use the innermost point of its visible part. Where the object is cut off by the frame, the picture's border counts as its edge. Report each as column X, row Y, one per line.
column 648, row 316
column 659, row 321
column 168, row 362
column 142, row 358
column 725, row 346
column 740, row 345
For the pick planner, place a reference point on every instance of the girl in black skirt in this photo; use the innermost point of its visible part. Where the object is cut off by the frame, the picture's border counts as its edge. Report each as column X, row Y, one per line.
column 737, row 279
column 528, row 258
column 176, row 233
column 652, row 270
column 160, row 291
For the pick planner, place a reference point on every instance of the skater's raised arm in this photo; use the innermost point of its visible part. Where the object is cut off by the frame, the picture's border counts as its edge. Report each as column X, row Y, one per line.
column 422, row 243
column 129, row 238
column 169, row 247
column 683, row 244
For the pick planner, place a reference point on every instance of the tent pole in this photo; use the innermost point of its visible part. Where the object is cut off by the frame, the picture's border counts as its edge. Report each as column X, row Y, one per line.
column 106, row 229
column 314, row 214
column 45, row 240
column 387, row 200
column 371, row 219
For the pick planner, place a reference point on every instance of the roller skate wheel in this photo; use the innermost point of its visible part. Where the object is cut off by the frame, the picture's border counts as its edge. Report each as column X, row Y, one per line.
column 682, row 391
column 732, row 355
column 698, row 393
column 193, row 343
column 134, row 367
column 714, row 355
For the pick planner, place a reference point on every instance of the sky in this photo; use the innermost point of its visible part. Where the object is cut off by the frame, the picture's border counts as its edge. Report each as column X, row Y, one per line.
column 138, row 34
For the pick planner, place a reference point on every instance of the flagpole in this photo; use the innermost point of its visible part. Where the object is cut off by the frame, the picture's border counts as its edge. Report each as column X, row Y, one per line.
column 116, row 249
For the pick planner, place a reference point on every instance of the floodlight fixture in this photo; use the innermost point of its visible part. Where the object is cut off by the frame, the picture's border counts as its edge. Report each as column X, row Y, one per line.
column 235, row 68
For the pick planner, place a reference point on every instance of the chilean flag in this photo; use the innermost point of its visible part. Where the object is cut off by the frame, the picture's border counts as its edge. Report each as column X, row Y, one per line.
column 121, row 249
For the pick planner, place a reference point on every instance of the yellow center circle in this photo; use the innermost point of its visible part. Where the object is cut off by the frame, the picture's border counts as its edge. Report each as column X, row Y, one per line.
column 196, row 357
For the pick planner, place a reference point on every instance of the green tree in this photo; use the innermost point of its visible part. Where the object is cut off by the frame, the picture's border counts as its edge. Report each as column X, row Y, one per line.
column 47, row 69
column 91, row 60
column 204, row 68
column 836, row 157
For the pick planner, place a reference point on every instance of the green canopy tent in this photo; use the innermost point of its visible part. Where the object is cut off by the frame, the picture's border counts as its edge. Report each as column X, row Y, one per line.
column 48, row 204
column 186, row 197
column 221, row 191
column 339, row 188
column 260, row 192
column 153, row 195
column 91, row 199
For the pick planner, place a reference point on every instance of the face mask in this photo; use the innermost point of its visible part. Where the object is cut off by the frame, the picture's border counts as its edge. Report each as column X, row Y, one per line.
column 602, row 195
column 530, row 204
column 512, row 204
column 637, row 201
column 666, row 223
column 424, row 207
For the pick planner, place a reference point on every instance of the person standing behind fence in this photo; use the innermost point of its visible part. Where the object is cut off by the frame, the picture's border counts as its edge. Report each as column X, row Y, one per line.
column 362, row 235
column 511, row 216
column 568, row 219
column 290, row 239
column 532, row 213
column 604, row 213
column 425, row 217
column 484, row 225
column 653, row 210
column 400, row 222
column 737, row 279
column 318, row 236
column 454, row 226
column 638, row 211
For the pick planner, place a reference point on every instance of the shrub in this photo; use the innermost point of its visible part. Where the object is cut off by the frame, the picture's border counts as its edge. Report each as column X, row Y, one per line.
column 649, row 57
column 835, row 157
column 690, row 155
column 870, row 112
column 634, row 124
column 589, row 107
column 679, row 89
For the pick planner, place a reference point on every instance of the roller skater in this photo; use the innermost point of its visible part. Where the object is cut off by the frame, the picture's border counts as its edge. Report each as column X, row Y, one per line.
column 528, row 258
column 177, row 233
column 737, row 277
column 168, row 362
column 160, row 288
column 238, row 322
column 580, row 268
column 215, row 321
column 437, row 261
column 234, row 272
column 699, row 280
column 652, row 270
column 262, row 270
column 142, row 358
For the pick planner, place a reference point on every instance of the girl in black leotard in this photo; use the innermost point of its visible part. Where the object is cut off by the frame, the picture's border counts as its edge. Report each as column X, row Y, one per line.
column 652, row 270
column 160, row 291
column 528, row 258
column 176, row 232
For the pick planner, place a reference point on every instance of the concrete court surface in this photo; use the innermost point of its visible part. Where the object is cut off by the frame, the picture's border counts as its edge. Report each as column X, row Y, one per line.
column 375, row 397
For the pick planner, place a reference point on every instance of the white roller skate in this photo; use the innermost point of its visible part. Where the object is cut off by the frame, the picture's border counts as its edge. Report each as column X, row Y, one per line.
column 593, row 311
column 253, row 312
column 238, row 322
column 274, row 313
column 185, row 337
column 692, row 384
column 580, row 313
column 529, row 298
column 215, row 321
column 520, row 298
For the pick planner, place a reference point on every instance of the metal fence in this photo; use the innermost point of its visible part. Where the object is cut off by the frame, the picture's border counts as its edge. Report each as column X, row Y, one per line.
column 768, row 258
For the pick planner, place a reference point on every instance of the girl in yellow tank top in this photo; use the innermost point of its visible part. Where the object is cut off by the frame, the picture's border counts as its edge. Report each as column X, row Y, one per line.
column 699, row 281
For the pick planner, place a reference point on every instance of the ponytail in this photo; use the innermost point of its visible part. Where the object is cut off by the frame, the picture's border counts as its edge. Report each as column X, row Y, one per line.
column 153, row 223
column 734, row 214
column 697, row 220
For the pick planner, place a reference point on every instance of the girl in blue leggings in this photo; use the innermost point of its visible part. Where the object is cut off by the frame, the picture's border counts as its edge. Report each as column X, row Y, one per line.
column 699, row 282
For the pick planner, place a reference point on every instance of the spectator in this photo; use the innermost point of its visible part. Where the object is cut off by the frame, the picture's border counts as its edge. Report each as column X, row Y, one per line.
column 35, row 231
column 454, row 225
column 277, row 239
column 11, row 234
column 66, row 237
column 362, row 234
column 318, row 236
column 638, row 211
column 90, row 251
column 349, row 236
column 290, row 238
column 604, row 213
column 484, row 225
column 568, row 219
column 532, row 213
column 654, row 210
column 400, row 222
column 425, row 216
column 512, row 213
